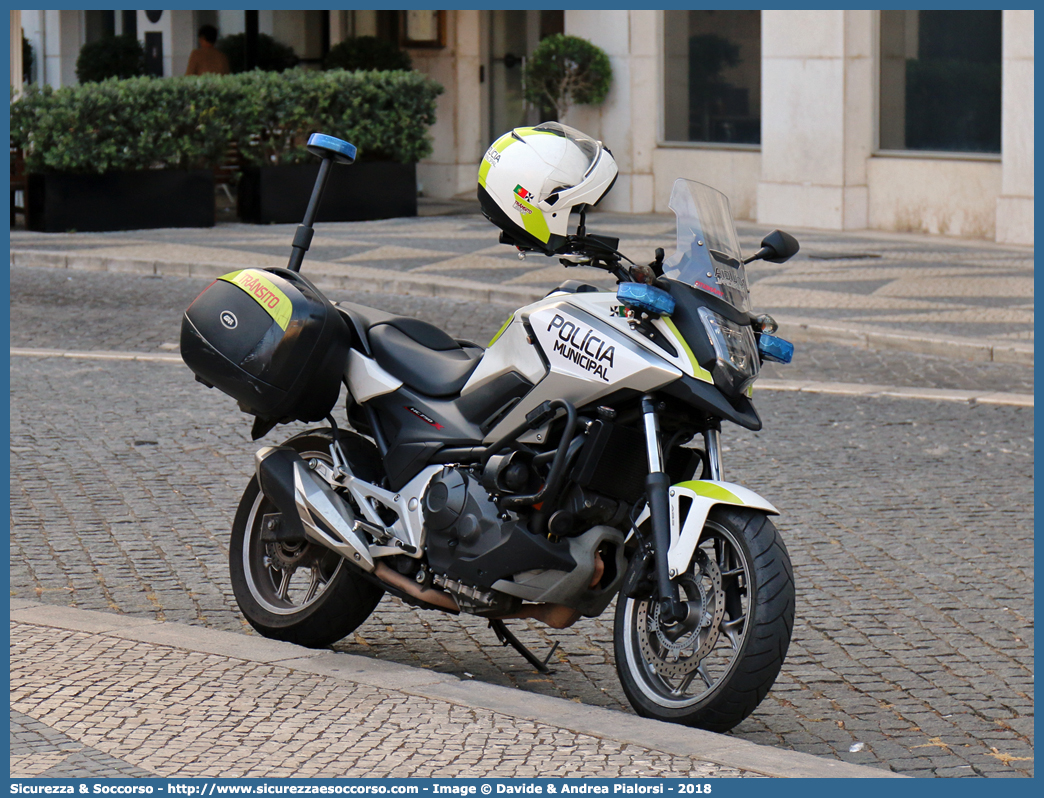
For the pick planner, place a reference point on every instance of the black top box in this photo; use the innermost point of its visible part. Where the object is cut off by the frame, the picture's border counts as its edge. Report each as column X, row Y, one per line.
column 269, row 339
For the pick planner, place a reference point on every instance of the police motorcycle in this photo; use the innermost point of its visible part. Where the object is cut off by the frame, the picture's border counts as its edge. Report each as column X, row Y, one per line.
column 540, row 477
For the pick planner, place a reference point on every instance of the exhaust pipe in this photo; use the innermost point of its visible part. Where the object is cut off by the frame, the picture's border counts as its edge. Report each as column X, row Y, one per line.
column 559, row 616
column 434, row 597
column 310, row 509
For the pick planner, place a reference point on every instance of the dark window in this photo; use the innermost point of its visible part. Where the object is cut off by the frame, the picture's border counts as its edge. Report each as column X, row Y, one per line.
column 712, row 81
column 130, row 23
column 941, row 80
column 98, row 25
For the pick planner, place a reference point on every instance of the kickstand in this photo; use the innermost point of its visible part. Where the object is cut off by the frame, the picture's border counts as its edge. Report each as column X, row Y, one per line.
column 506, row 638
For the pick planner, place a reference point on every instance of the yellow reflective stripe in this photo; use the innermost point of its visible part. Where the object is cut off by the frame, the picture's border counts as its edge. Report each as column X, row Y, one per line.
column 698, row 371
column 500, row 332
column 711, row 491
column 264, row 292
column 534, row 221
column 502, row 143
column 499, row 145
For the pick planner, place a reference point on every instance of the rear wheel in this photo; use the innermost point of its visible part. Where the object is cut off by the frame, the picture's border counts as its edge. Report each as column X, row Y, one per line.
column 712, row 669
column 300, row 592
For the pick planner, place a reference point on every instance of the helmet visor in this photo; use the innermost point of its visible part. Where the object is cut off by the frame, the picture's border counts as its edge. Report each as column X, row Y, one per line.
column 588, row 147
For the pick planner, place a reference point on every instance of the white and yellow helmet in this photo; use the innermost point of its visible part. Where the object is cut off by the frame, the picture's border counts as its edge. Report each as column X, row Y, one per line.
column 533, row 177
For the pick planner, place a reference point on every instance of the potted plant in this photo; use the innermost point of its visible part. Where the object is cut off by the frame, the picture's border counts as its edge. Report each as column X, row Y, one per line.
column 367, row 52
column 122, row 154
column 111, row 57
column 272, row 56
column 567, row 70
column 27, row 60
column 385, row 114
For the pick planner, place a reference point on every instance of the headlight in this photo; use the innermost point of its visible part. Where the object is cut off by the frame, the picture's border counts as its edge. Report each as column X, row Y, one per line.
column 736, row 351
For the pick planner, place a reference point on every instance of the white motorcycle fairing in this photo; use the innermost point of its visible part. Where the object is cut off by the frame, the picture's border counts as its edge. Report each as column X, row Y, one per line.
column 703, row 495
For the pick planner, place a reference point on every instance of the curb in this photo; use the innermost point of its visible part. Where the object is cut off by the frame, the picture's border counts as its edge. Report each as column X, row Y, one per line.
column 560, row 713
column 979, row 349
column 145, row 357
column 346, row 276
column 892, row 392
column 371, row 280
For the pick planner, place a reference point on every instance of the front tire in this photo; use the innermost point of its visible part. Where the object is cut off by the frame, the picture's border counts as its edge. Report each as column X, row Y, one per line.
column 713, row 669
column 302, row 593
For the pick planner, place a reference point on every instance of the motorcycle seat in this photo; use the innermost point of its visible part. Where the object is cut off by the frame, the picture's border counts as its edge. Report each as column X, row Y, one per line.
column 424, row 357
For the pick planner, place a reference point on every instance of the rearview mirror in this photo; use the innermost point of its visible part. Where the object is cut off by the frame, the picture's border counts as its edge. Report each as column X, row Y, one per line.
column 777, row 247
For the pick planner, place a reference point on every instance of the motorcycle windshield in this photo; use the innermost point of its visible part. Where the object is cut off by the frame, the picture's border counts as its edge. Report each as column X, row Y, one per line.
column 708, row 256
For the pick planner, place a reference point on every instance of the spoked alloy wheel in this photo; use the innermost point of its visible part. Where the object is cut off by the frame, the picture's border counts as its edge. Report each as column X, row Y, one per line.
column 300, row 592
column 714, row 667
column 285, row 578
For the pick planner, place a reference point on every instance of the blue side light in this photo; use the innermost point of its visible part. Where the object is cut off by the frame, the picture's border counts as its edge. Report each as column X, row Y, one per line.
column 647, row 298
column 775, row 349
column 329, row 147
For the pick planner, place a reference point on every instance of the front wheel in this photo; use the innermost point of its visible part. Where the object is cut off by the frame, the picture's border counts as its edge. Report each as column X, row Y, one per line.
column 300, row 592
column 712, row 669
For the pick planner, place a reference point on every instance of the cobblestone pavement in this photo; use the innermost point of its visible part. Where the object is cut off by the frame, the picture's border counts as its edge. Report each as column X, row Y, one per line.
column 909, row 525
column 913, row 283
column 58, row 309
column 40, row 751
column 126, row 708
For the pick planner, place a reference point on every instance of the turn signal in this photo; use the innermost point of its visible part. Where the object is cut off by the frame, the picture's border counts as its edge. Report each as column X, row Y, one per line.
column 765, row 323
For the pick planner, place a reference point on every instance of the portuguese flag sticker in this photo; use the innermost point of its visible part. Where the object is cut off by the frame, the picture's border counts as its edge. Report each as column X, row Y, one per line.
column 523, row 194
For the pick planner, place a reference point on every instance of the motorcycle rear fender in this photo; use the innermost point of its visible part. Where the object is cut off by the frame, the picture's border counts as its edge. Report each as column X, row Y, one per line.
column 704, row 494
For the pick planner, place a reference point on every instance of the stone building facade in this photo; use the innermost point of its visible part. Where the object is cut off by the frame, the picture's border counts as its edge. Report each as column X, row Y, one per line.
column 843, row 120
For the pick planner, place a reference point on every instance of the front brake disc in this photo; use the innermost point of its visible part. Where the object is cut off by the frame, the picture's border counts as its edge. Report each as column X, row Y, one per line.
column 676, row 652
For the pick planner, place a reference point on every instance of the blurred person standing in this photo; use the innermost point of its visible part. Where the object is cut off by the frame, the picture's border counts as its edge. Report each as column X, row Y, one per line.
column 207, row 58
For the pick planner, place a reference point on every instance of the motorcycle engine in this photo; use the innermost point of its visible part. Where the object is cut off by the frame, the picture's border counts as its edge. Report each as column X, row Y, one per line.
column 470, row 545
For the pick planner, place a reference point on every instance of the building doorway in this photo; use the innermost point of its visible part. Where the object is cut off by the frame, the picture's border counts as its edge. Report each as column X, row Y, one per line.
column 513, row 35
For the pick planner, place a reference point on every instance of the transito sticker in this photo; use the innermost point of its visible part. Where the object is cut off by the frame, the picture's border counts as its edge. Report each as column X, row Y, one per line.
column 264, row 292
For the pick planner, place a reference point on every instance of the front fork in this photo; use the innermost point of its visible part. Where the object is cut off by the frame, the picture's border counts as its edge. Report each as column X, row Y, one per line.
column 657, row 486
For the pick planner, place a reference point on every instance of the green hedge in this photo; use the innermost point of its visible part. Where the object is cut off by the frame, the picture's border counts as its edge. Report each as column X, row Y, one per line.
column 366, row 52
column 188, row 122
column 123, row 125
column 111, row 57
column 385, row 114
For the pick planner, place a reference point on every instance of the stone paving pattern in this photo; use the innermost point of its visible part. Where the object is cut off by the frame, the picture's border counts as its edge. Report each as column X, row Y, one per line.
column 909, row 524
column 38, row 751
column 137, row 709
column 913, row 283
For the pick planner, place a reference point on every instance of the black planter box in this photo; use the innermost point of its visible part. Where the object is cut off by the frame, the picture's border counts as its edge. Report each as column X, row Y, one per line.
column 374, row 190
column 121, row 201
